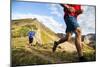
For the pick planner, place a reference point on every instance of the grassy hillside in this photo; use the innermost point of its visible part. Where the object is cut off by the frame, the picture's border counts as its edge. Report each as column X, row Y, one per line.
column 23, row 54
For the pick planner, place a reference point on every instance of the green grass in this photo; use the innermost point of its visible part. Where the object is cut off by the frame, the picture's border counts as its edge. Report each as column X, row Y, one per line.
column 45, row 37
column 21, row 56
column 36, row 55
column 19, row 42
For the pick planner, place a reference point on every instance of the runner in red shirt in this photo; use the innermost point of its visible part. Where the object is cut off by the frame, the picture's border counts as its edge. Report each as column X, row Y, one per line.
column 71, row 12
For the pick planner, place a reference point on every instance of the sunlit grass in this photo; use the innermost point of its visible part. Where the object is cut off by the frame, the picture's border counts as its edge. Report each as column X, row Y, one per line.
column 42, row 54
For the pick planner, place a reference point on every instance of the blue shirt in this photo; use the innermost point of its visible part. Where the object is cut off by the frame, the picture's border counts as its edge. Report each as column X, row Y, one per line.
column 31, row 34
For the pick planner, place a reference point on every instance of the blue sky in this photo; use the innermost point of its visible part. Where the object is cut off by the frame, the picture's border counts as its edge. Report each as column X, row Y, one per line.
column 51, row 15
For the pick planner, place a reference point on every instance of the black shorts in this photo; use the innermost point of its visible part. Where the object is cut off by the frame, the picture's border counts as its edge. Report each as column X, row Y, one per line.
column 30, row 40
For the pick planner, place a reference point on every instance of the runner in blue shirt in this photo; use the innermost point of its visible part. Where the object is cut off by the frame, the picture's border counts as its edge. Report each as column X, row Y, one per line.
column 31, row 35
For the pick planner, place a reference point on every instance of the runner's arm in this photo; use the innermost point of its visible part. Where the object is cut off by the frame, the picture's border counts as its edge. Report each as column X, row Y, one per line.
column 64, row 5
column 68, row 7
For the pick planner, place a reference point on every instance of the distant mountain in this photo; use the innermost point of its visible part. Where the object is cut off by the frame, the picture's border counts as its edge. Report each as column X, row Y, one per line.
column 90, row 39
column 60, row 35
column 20, row 27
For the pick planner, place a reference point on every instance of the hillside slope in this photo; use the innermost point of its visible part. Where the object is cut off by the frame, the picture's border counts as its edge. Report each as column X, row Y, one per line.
column 43, row 34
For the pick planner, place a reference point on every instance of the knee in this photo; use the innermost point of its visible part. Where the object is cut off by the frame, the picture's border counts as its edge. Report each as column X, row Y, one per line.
column 68, row 37
column 78, row 32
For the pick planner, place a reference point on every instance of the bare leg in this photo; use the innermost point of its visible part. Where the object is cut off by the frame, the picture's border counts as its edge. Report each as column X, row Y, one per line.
column 78, row 42
column 66, row 38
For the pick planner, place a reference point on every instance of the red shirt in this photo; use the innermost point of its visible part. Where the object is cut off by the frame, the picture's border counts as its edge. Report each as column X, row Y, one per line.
column 76, row 7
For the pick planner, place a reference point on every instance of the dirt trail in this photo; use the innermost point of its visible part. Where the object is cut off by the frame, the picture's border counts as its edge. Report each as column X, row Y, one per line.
column 48, row 55
column 41, row 55
column 68, row 47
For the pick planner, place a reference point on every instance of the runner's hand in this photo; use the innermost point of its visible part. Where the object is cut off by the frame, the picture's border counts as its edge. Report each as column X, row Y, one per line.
column 79, row 12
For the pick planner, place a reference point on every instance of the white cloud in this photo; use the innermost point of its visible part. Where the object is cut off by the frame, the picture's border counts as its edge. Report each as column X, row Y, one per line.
column 21, row 16
column 56, row 10
column 87, row 20
column 51, row 23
